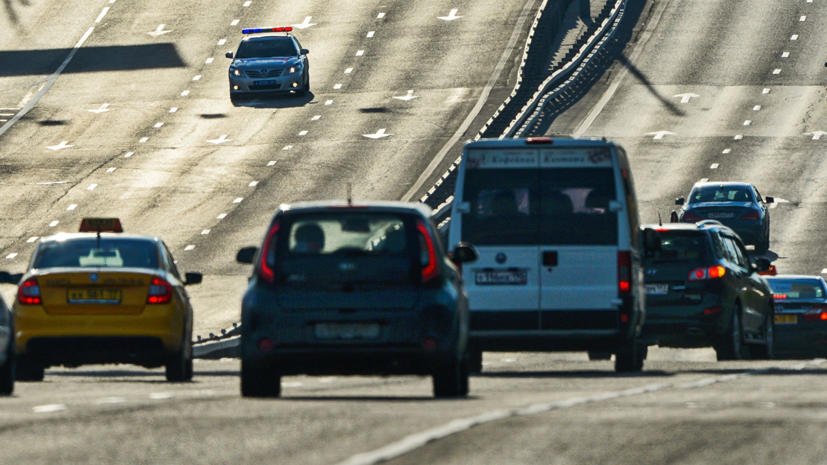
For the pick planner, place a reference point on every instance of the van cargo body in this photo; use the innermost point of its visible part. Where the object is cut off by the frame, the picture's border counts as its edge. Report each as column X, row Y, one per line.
column 556, row 227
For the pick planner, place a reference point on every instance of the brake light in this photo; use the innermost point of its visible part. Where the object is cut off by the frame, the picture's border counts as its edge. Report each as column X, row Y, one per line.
column 539, row 140
column 815, row 315
column 266, row 271
column 712, row 311
column 690, row 218
column 160, row 292
column 779, row 296
column 624, row 272
column 751, row 216
column 28, row 293
column 704, row 274
column 430, row 270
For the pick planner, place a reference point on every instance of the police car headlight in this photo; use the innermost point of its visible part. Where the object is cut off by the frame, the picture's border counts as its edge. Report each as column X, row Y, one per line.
column 236, row 72
column 294, row 69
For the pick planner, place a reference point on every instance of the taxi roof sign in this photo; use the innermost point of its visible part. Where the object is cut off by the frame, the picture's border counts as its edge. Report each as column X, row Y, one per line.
column 100, row 225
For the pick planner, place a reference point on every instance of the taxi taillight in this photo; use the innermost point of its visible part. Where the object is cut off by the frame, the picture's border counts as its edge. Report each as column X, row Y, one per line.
column 430, row 268
column 265, row 270
column 160, row 292
column 28, row 293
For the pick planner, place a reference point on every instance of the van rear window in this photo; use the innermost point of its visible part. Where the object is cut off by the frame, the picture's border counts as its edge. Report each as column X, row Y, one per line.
column 566, row 206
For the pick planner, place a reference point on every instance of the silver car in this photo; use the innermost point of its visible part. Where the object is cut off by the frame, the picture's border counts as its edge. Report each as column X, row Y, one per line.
column 269, row 60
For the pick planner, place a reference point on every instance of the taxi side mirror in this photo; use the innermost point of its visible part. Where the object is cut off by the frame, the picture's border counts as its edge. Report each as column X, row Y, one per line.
column 192, row 278
column 762, row 265
column 228, row 54
column 246, row 255
column 8, row 278
column 463, row 253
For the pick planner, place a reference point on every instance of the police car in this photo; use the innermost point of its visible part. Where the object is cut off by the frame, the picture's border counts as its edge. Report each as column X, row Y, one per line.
column 100, row 296
column 269, row 60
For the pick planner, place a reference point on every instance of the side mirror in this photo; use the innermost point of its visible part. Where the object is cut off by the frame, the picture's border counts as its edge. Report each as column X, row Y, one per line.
column 192, row 278
column 246, row 255
column 769, row 199
column 463, row 253
column 680, row 201
column 228, row 54
column 304, row 51
column 762, row 265
column 651, row 242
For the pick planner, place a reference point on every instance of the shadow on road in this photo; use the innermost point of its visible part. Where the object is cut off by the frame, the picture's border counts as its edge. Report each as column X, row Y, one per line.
column 574, row 374
column 276, row 100
column 417, row 399
column 90, row 59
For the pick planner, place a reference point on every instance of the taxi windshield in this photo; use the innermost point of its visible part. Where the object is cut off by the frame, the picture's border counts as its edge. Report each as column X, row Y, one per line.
column 109, row 253
column 267, row 48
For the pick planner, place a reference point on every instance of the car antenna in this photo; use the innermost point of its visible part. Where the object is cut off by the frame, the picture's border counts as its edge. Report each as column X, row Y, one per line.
column 660, row 221
column 349, row 195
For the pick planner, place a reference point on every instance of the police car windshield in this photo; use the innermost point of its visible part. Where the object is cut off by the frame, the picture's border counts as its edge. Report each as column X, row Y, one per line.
column 720, row 194
column 267, row 48
column 92, row 253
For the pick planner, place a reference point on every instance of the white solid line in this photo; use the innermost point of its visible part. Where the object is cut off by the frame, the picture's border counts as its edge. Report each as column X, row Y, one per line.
column 143, row 140
column 185, row 93
column 756, row 108
column 380, row 16
column 72, row 207
column 209, row 60
column 221, row 216
column 271, row 163
column 48, row 85
column 303, row 133
column 714, row 166
column 173, row 109
column 371, row 33
column 329, row 102
column 234, row 22
column 222, row 41
column 238, row 200
column 33, row 239
column 11, row 255
column 91, row 187
column 103, row 13
column 111, row 170
column 253, row 184
column 128, row 154
column 196, row 77
column 53, row 223
column 50, row 408
column 360, row 53
column 349, row 70
column 726, row 151
column 189, row 247
column 205, row 232
column 158, row 125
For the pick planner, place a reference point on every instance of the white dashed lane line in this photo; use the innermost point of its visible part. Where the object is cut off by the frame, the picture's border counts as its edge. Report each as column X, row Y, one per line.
column 794, row 37
column 111, row 170
column 337, row 86
column 173, row 109
column 197, row 77
column 238, row 200
column 209, row 60
column 747, row 122
column 271, row 163
column 222, row 41
column 360, row 53
column 50, row 408
column 371, row 34
column 158, row 125
column 303, row 133
column 726, row 151
column 765, row 91
column 185, row 93
column 739, row 137
column 221, row 216
column 11, row 255
column 54, row 223
column 349, row 70
column 111, row 400
column 91, row 187
column 288, row 147
column 714, row 166
column 785, row 55
column 128, row 154
column 380, row 16
column 756, row 108
column 161, row 395
column 329, row 102
column 776, row 71
column 189, row 247
column 205, row 232
column 143, row 140
column 234, row 22
column 72, row 207
column 33, row 239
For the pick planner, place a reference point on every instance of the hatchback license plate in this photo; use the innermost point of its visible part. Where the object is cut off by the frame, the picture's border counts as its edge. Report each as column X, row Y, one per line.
column 94, row 296
column 507, row 277
column 347, row 330
column 657, row 289
column 721, row 215
column 264, row 83
column 786, row 319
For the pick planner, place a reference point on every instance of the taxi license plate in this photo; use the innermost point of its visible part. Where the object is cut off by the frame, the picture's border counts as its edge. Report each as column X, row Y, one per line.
column 94, row 296
column 507, row 277
column 347, row 330
column 264, row 83
column 657, row 289
column 786, row 319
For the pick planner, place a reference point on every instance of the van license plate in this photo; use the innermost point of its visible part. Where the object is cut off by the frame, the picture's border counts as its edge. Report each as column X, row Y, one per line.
column 506, row 277
column 347, row 330
column 657, row 289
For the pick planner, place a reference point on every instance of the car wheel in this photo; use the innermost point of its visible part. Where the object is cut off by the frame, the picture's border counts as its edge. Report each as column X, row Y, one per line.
column 765, row 351
column 731, row 345
column 629, row 357
column 451, row 379
column 28, row 369
column 598, row 355
column 7, row 372
column 257, row 381
column 475, row 361
column 179, row 365
column 307, row 83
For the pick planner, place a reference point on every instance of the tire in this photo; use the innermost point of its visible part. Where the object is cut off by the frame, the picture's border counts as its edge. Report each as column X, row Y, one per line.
column 451, row 380
column 7, row 372
column 629, row 357
column 307, row 83
column 179, row 365
column 731, row 346
column 475, row 361
column 765, row 351
column 28, row 369
column 259, row 382
column 595, row 355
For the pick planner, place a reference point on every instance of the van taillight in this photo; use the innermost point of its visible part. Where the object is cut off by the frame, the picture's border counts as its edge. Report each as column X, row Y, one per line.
column 160, row 292
column 265, row 270
column 29, row 293
column 624, row 273
column 430, row 268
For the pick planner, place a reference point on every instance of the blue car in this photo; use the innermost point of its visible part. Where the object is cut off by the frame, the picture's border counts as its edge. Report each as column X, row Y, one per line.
column 737, row 205
column 800, row 316
column 7, row 358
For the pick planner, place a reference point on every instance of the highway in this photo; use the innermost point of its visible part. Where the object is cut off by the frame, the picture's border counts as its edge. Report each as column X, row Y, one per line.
column 138, row 125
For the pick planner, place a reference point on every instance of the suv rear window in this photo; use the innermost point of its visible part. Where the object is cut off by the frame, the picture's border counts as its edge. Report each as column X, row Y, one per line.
column 564, row 206
column 678, row 246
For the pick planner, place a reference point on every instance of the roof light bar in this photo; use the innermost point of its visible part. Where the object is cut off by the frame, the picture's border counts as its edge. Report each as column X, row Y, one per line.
column 260, row 30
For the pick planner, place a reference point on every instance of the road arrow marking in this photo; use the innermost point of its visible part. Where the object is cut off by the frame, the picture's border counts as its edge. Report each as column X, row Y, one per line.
column 778, row 201
column 816, row 134
column 60, row 146
column 451, row 16
column 685, row 98
column 659, row 135
column 100, row 110
column 410, row 96
column 379, row 134
column 305, row 24
column 220, row 140
column 159, row 31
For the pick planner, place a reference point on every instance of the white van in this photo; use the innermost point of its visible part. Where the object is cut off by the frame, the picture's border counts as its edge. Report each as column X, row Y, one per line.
column 555, row 224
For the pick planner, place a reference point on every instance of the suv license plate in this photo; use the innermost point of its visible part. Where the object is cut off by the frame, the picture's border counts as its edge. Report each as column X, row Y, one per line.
column 347, row 330
column 657, row 289
column 506, row 277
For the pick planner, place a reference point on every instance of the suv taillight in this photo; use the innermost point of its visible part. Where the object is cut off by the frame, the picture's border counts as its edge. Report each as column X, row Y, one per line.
column 624, row 273
column 430, row 267
column 28, row 293
column 265, row 270
column 704, row 274
column 160, row 292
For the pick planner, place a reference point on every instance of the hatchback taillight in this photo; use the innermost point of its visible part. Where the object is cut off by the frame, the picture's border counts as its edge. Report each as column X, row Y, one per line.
column 624, row 273
column 690, row 218
column 430, row 267
column 751, row 216
column 28, row 293
column 265, row 269
column 704, row 274
column 160, row 292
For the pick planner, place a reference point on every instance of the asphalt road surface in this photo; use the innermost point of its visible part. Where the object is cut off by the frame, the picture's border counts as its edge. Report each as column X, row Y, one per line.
column 705, row 72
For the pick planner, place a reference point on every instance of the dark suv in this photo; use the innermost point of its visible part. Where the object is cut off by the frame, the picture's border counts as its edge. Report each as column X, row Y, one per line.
column 354, row 289
column 702, row 291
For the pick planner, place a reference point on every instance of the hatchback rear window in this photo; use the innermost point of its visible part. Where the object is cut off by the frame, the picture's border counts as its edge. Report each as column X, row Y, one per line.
column 680, row 246
column 97, row 253
column 811, row 289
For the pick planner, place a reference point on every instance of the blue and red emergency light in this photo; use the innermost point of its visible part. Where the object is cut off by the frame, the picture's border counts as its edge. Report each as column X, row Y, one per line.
column 260, row 30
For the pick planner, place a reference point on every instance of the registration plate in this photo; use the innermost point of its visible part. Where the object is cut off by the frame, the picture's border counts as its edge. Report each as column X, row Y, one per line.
column 94, row 296
column 720, row 215
column 786, row 319
column 347, row 330
column 264, row 83
column 657, row 289
column 506, row 277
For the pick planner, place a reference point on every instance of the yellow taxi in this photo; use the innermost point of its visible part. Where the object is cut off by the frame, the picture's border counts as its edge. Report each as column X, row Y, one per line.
column 99, row 297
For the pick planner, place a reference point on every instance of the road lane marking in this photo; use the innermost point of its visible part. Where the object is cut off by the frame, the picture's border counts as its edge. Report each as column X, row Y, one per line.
column 221, row 216
column 234, row 22
column 197, row 77
column 726, row 151
column 379, row 134
column 659, row 134
column 349, row 70
column 292, row 384
column 714, row 166
column 765, row 91
column 785, row 55
column 371, row 33
column 209, row 60
column 238, row 200
column 794, row 37
column 253, row 184
column 288, row 147
column 271, row 163
column 816, row 134
column 185, row 93
column 305, row 24
column 11, row 255
column 128, row 154
column 360, row 53
column 189, row 247
column 111, row 400
column 756, row 108
column 72, row 207
column 54, row 223
column 247, row 3
column 111, row 170
column 173, row 109
column 62, row 145
column 802, row 19
column 747, row 122
column 685, row 98
column 222, row 41
column 143, row 140
column 409, row 96
column 824, row 271
column 451, row 16
column 91, row 187
column 33, row 239
column 776, row 71
column 329, row 102
column 104, row 108
column 302, row 133
column 739, row 137
column 159, row 31
column 50, row 408
column 103, row 13
column 380, row 16
column 316, row 118
column 161, row 395
column 158, row 125
column 205, row 232
column 220, row 140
